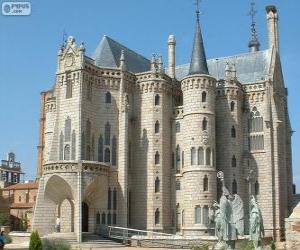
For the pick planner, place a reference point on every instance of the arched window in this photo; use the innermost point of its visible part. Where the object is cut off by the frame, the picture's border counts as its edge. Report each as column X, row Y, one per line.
column 256, row 130
column 88, row 153
column 233, row 133
column 177, row 127
column 114, row 151
column 103, row 219
column 204, row 124
column 156, row 158
column 157, row 184
column 256, row 187
column 67, row 152
column 109, row 199
column 193, row 156
column 107, row 133
column 157, row 100
column 61, row 146
column 197, row 215
column 82, row 146
column 157, row 127
column 98, row 218
column 234, row 187
column 208, row 154
column 114, row 218
column 115, row 199
column 182, row 158
column 203, row 96
column 233, row 162
column 109, row 218
column 88, row 131
column 73, row 153
column 232, row 105
column 178, row 158
column 67, row 129
column 107, row 155
column 205, row 215
column 108, row 97
column 100, row 149
column 205, row 183
column 69, row 89
column 157, row 215
column 200, row 156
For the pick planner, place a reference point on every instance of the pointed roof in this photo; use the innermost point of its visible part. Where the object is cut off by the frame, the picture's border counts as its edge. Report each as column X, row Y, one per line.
column 108, row 54
column 198, row 63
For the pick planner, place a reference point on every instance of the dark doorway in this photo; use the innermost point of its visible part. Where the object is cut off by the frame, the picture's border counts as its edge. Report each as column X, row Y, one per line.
column 85, row 217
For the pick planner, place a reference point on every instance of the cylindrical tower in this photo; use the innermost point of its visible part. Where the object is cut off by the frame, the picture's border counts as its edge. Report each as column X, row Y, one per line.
column 199, row 171
column 198, row 144
column 171, row 56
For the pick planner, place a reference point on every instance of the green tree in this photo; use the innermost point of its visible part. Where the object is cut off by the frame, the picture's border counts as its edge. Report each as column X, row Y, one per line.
column 4, row 219
column 35, row 241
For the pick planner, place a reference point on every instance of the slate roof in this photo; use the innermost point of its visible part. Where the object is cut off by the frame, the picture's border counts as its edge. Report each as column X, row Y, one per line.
column 251, row 67
column 108, row 54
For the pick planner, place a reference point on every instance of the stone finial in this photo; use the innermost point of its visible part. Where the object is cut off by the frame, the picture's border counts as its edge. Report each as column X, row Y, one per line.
column 171, row 56
column 82, row 47
column 172, row 40
column 122, row 61
column 71, row 40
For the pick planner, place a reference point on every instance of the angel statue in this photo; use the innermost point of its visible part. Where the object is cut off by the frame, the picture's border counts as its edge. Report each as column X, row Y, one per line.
column 256, row 224
column 229, row 218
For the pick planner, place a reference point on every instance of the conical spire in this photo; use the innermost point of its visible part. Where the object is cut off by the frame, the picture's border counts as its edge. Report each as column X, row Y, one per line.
column 198, row 61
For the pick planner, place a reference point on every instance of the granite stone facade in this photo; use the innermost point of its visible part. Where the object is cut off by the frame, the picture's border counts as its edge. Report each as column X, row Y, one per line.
column 125, row 142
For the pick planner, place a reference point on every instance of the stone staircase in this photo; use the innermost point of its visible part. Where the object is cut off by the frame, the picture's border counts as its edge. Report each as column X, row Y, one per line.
column 89, row 241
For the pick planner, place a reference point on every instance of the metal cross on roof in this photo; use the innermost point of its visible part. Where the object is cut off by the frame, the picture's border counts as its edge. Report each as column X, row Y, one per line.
column 197, row 3
column 253, row 13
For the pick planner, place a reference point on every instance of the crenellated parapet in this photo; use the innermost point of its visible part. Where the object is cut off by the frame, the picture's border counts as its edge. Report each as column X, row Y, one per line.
column 50, row 105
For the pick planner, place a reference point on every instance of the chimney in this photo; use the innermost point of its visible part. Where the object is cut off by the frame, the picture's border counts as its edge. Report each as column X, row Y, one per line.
column 272, row 21
column 171, row 56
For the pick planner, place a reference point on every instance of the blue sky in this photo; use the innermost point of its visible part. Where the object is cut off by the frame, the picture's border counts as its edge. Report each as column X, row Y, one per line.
column 29, row 45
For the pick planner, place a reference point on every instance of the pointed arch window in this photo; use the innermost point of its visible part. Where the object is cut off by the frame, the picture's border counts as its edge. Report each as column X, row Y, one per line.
column 193, row 156
column 109, row 199
column 67, row 152
column 100, row 149
column 108, row 97
column 200, row 156
column 234, row 187
column 88, row 132
column 98, row 218
column 107, row 133
column 157, row 215
column 208, row 155
column 232, row 106
column 204, row 95
column 157, row 158
column 61, row 146
column 157, row 100
column 233, row 132
column 256, row 188
column 103, row 219
column 233, row 161
column 88, row 153
column 178, row 158
column 205, row 183
column 157, row 185
column 109, row 218
column 67, row 129
column 69, row 89
column 114, row 219
column 73, row 153
column 107, row 155
column 205, row 215
column 156, row 127
column 182, row 158
column 197, row 215
column 256, row 130
column 204, row 124
column 114, row 151
column 82, row 146
column 115, row 199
